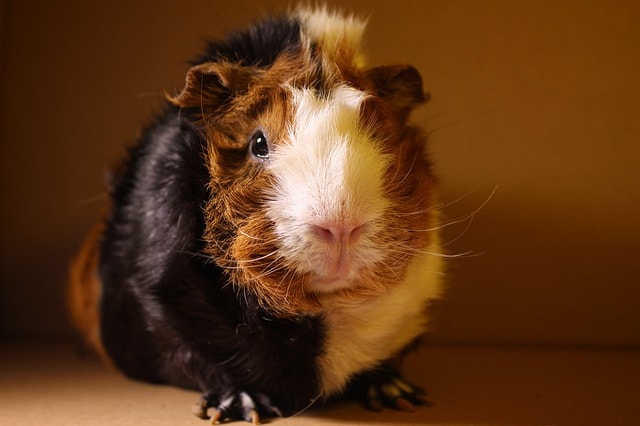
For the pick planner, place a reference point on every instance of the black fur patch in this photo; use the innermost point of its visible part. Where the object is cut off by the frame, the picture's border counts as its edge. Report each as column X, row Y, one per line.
column 259, row 45
column 168, row 312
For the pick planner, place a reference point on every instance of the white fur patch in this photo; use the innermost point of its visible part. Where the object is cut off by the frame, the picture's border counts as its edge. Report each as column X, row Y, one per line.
column 332, row 31
column 328, row 172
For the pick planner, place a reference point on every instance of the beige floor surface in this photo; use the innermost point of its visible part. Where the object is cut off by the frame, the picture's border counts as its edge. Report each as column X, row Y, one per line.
column 48, row 384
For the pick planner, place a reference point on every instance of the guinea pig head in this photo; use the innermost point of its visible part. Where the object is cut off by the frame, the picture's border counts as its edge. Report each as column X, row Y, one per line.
column 319, row 187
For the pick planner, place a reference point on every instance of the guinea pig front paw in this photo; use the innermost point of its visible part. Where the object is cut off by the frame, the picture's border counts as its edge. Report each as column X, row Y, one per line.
column 385, row 387
column 234, row 406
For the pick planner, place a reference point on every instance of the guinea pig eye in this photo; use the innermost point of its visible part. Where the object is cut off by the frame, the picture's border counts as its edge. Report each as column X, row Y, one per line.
column 259, row 146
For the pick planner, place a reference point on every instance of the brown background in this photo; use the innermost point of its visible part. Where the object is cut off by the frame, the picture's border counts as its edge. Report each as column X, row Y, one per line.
column 538, row 99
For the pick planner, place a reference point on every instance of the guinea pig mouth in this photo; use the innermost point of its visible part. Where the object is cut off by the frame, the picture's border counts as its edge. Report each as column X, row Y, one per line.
column 338, row 246
column 328, row 284
column 337, row 271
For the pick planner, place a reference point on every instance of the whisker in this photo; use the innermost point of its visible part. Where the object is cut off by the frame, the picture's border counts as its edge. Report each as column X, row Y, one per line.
column 289, row 272
column 457, row 237
column 393, row 271
column 252, row 237
column 444, row 126
column 411, row 250
column 269, row 268
column 447, row 223
column 101, row 196
column 465, row 255
column 266, row 273
column 442, row 205
column 302, row 410
column 161, row 95
column 413, row 163
column 242, row 262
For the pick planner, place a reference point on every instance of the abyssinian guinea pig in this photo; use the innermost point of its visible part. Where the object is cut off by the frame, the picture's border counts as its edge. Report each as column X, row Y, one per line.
column 271, row 240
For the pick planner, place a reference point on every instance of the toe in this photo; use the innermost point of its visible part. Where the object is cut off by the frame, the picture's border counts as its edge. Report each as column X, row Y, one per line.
column 254, row 417
column 404, row 405
column 214, row 416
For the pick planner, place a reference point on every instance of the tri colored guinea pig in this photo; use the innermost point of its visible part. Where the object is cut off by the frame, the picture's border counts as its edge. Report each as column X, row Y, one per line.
column 271, row 240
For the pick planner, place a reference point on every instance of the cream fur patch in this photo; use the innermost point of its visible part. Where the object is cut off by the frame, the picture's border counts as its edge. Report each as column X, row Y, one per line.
column 332, row 31
column 360, row 336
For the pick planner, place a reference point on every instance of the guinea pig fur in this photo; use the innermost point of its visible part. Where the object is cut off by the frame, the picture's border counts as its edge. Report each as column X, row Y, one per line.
column 271, row 240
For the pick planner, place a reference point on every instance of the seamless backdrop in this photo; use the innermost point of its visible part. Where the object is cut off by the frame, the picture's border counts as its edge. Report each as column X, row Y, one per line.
column 539, row 101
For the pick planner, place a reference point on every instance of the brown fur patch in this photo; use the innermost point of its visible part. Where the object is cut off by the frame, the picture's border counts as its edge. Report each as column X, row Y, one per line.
column 83, row 292
column 239, row 236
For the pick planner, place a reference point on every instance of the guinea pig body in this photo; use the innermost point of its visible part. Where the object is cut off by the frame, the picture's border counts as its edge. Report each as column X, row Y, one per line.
column 272, row 238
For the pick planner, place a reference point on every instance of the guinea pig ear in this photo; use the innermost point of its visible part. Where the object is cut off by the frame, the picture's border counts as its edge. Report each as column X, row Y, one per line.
column 211, row 84
column 399, row 84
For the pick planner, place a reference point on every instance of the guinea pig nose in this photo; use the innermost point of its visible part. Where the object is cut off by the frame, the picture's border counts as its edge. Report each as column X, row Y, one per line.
column 338, row 232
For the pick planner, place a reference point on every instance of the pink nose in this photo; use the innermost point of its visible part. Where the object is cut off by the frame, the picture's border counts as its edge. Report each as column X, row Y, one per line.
column 336, row 233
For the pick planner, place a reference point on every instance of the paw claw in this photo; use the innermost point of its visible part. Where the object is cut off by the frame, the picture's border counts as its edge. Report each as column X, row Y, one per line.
column 276, row 411
column 422, row 400
column 405, row 405
column 214, row 416
column 373, row 402
column 254, row 417
column 200, row 409
column 386, row 388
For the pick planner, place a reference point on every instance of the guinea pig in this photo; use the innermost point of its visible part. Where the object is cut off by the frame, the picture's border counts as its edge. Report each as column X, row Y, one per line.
column 271, row 239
